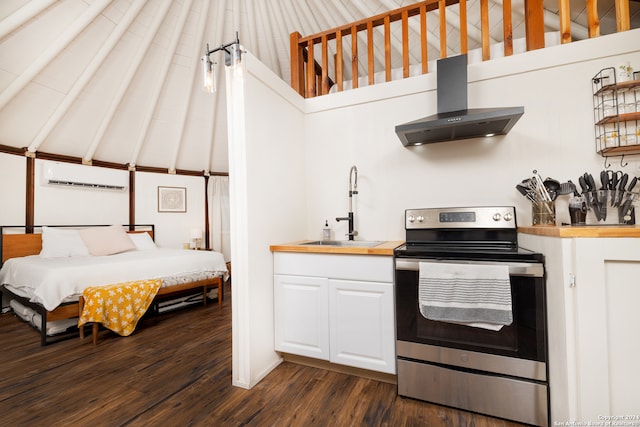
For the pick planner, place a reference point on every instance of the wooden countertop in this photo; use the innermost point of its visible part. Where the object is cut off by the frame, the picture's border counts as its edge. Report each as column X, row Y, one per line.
column 384, row 248
column 587, row 231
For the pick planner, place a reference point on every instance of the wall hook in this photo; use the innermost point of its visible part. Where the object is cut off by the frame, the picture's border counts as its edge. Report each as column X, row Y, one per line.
column 622, row 162
column 606, row 166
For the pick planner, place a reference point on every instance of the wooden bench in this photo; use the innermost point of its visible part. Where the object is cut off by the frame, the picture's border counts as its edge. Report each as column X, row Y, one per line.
column 205, row 285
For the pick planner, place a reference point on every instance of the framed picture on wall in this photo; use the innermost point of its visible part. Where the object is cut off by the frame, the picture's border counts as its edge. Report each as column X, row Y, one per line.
column 172, row 199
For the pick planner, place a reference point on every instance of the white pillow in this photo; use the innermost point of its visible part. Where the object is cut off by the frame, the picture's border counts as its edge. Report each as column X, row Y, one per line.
column 142, row 241
column 106, row 240
column 60, row 243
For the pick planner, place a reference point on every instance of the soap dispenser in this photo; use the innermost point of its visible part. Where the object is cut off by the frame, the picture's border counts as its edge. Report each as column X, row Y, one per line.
column 326, row 231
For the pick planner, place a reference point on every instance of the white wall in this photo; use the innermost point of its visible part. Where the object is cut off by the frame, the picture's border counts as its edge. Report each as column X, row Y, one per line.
column 267, row 197
column 78, row 206
column 12, row 189
column 554, row 136
column 172, row 228
column 277, row 147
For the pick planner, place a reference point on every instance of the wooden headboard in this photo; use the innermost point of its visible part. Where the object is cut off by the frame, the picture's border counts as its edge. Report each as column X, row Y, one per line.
column 18, row 244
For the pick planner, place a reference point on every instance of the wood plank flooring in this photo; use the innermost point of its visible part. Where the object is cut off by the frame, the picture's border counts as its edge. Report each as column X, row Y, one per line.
column 175, row 370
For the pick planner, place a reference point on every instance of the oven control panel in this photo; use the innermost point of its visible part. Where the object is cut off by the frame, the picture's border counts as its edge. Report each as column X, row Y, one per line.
column 469, row 217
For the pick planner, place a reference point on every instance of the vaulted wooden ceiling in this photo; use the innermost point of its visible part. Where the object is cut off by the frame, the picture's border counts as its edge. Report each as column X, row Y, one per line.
column 120, row 80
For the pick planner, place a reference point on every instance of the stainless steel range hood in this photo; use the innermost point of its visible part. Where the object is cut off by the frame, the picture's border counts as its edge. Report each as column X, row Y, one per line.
column 454, row 120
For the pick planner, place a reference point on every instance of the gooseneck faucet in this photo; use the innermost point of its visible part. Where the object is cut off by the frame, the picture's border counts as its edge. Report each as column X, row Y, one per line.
column 353, row 189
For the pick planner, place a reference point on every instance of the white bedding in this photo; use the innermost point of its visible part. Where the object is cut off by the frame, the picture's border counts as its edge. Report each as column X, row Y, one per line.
column 51, row 281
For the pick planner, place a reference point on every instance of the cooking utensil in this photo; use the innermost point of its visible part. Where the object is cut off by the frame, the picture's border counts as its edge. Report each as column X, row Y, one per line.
column 583, row 184
column 567, row 188
column 552, row 186
column 599, row 211
column 525, row 192
column 627, row 206
column 541, row 194
column 621, row 189
column 604, row 180
column 614, row 179
column 540, row 188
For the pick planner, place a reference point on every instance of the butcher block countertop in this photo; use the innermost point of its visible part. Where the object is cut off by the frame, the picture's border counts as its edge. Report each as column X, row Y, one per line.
column 588, row 231
column 384, row 248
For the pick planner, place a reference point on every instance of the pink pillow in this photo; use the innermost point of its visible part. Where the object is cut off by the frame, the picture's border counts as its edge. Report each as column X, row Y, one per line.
column 106, row 240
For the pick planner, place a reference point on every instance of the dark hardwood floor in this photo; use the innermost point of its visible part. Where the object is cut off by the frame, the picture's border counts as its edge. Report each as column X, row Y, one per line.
column 175, row 370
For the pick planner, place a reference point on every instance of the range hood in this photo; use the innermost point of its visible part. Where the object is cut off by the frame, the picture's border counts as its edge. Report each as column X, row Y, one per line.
column 454, row 120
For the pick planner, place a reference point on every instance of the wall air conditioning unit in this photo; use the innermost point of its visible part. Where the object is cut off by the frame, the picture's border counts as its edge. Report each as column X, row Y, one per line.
column 81, row 176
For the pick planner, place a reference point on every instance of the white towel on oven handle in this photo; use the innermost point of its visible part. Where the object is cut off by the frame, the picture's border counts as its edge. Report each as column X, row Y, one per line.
column 470, row 294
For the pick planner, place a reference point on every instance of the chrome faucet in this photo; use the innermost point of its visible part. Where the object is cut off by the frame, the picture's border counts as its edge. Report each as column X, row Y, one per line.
column 353, row 189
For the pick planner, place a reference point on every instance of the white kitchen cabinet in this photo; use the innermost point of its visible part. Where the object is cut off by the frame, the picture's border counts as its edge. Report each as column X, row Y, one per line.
column 362, row 324
column 302, row 315
column 593, row 293
column 337, row 308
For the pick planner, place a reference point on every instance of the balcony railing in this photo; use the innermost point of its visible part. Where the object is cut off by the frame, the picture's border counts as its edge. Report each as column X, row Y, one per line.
column 408, row 25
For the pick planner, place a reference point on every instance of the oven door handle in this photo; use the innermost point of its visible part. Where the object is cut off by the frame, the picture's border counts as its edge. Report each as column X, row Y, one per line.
column 515, row 268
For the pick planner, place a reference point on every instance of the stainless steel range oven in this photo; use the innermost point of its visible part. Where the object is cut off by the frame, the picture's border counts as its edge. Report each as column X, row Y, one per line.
column 502, row 373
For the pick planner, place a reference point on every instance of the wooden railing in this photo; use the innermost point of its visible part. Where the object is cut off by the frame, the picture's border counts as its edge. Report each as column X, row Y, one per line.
column 318, row 80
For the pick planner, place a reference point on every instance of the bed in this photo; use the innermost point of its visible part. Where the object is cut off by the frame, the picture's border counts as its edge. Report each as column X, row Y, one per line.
column 45, row 271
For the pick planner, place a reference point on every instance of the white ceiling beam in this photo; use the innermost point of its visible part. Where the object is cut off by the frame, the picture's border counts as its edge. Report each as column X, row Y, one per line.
column 309, row 24
column 85, row 77
column 219, row 103
column 22, row 16
column 282, row 41
column 292, row 18
column 52, row 51
column 265, row 26
column 126, row 80
column 194, row 71
column 156, row 91
column 237, row 19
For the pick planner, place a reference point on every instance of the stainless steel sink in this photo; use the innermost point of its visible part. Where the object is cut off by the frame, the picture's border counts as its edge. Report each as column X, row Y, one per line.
column 344, row 243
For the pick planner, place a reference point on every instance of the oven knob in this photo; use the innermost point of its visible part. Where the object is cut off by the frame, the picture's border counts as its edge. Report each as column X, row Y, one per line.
column 411, row 218
column 420, row 218
column 496, row 217
column 508, row 216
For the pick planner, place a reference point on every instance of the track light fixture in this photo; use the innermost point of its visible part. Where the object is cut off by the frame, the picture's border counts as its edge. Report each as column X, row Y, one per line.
column 232, row 55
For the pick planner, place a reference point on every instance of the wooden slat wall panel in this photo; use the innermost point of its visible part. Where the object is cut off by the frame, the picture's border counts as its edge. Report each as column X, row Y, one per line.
column 370, row 58
column 387, row 49
column 507, row 27
column 339, row 62
column 354, row 58
column 423, row 39
column 623, row 22
column 593, row 19
column 464, row 38
column 325, row 67
column 484, row 25
column 565, row 21
column 443, row 28
column 534, row 24
column 311, row 75
column 30, row 204
column 297, row 63
column 311, row 79
column 405, row 44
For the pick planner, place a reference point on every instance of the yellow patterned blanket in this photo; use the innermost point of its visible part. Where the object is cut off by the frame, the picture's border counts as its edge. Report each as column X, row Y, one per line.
column 119, row 306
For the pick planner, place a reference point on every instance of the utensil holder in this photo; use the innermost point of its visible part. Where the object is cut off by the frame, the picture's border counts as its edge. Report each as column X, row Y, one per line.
column 543, row 213
column 612, row 207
